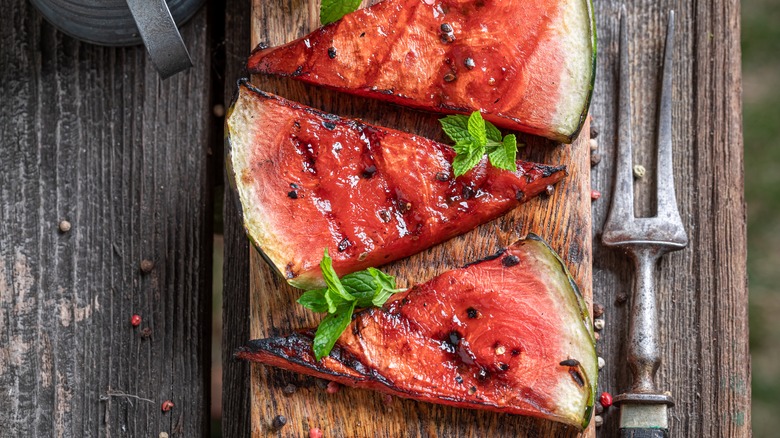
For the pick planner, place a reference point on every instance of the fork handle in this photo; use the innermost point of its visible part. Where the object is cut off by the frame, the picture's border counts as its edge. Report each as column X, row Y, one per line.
column 644, row 354
column 644, row 432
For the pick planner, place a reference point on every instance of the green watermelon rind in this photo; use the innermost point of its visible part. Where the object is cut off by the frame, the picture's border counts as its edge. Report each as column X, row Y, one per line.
column 591, row 374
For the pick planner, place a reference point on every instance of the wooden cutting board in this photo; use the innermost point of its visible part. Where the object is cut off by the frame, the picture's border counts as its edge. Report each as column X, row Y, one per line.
column 562, row 219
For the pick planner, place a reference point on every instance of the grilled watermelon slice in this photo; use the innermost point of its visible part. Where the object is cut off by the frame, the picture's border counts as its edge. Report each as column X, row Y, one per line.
column 308, row 180
column 510, row 334
column 526, row 65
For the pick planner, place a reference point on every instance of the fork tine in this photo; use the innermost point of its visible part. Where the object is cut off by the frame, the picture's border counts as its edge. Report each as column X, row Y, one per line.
column 622, row 208
column 667, row 201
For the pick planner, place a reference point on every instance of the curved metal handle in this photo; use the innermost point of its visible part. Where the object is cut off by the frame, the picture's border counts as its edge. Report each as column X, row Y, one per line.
column 161, row 37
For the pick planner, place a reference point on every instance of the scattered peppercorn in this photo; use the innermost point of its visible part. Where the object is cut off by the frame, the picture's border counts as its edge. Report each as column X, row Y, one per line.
column 64, row 226
column 596, row 336
column 601, row 362
column 146, row 333
column 599, row 409
column 605, row 400
column 289, row 389
column 595, row 158
column 471, row 312
column 549, row 190
column 598, row 324
column 147, row 266
column 594, row 195
column 331, row 52
column 469, row 63
column 333, row 387
column 598, row 310
column 621, row 298
column 593, row 144
column 292, row 194
column 167, row 405
column 593, row 132
column 598, row 420
column 315, row 432
column 639, row 171
column 135, row 320
column 278, row 422
column 446, row 28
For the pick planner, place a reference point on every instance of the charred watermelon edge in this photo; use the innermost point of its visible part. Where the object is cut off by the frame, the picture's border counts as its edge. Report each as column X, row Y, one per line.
column 300, row 339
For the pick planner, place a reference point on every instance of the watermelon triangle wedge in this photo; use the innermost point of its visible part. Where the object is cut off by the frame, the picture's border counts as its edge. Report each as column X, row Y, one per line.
column 510, row 333
column 526, row 65
column 309, row 180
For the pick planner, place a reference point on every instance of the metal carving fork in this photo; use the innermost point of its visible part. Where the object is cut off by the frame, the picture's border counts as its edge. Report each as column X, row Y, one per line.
column 643, row 409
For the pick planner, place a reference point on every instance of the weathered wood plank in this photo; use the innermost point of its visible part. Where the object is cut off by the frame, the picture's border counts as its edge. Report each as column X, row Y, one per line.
column 92, row 136
column 703, row 289
column 235, row 375
column 272, row 310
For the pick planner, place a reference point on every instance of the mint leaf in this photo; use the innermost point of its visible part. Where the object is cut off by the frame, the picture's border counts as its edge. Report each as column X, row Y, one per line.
column 493, row 134
column 473, row 138
column 332, row 10
column 332, row 279
column 360, row 285
column 314, row 300
column 465, row 162
column 504, row 155
column 367, row 288
column 331, row 328
column 477, row 128
column 456, row 127
column 385, row 286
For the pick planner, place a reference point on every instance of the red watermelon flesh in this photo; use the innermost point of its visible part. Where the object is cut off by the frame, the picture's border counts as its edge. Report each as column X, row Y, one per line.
column 526, row 65
column 509, row 334
column 308, row 180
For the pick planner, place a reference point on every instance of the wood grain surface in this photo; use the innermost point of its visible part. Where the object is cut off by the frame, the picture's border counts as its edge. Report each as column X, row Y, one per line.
column 702, row 289
column 563, row 219
column 92, row 136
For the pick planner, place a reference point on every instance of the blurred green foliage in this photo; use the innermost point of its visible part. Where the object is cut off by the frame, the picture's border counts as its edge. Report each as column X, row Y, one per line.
column 761, row 84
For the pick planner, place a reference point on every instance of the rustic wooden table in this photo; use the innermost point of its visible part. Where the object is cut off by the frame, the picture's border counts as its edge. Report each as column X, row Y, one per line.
column 90, row 135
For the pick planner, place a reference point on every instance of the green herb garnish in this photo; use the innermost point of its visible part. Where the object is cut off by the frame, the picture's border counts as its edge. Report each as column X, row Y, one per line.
column 332, row 10
column 474, row 137
column 339, row 300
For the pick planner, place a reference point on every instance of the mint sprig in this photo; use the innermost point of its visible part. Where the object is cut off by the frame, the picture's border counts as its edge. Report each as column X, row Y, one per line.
column 339, row 300
column 332, row 10
column 474, row 137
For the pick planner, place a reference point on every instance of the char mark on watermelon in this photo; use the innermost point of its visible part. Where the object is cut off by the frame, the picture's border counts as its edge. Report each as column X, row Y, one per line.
column 512, row 337
column 526, row 65
column 309, row 180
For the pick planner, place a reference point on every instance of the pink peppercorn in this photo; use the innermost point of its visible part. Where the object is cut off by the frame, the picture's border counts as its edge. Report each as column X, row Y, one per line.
column 605, row 399
column 333, row 388
column 595, row 194
column 135, row 320
column 315, row 432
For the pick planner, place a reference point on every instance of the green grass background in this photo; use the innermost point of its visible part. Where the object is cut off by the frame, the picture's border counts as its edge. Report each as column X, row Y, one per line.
column 761, row 99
